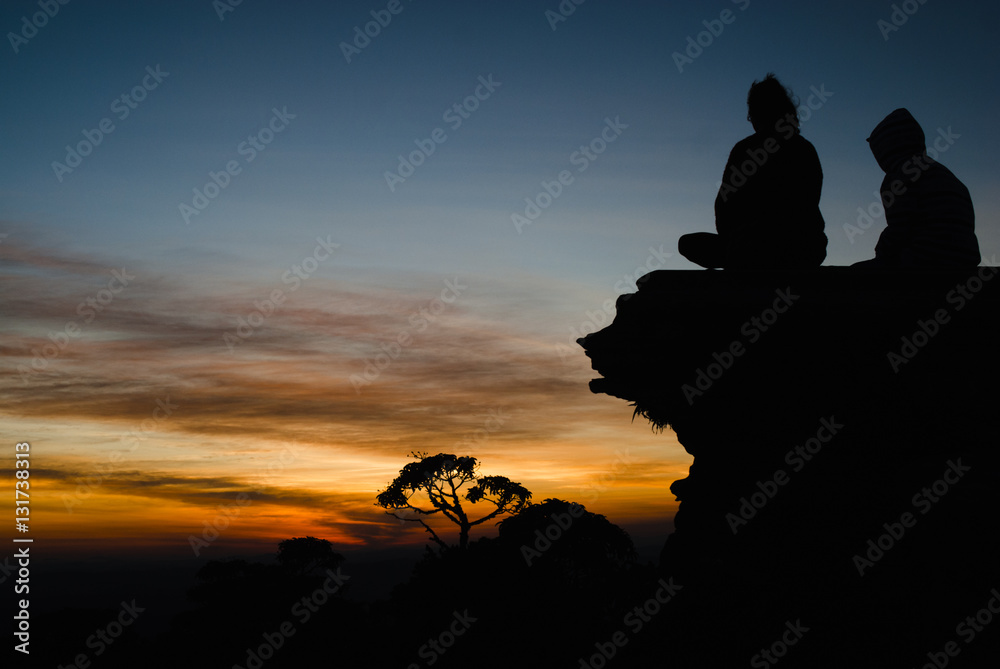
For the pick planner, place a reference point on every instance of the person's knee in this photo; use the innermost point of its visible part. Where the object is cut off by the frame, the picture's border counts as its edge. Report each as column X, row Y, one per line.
column 702, row 248
column 696, row 243
column 684, row 245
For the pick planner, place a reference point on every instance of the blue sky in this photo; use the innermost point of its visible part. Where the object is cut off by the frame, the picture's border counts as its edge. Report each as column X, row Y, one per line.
column 352, row 120
column 343, row 126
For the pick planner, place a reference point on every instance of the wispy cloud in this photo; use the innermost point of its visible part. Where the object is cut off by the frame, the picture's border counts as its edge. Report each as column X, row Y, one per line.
column 163, row 340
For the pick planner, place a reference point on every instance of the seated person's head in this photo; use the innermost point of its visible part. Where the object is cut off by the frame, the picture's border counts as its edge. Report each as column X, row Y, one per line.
column 896, row 139
column 768, row 103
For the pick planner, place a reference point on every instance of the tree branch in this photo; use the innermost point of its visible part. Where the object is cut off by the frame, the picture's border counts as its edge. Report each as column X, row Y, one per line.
column 434, row 536
column 491, row 514
column 427, row 527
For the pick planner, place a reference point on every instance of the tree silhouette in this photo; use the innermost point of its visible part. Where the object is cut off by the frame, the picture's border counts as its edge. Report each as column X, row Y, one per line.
column 566, row 532
column 303, row 555
column 442, row 478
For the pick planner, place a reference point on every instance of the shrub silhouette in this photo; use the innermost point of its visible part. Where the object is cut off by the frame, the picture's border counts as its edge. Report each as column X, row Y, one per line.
column 306, row 555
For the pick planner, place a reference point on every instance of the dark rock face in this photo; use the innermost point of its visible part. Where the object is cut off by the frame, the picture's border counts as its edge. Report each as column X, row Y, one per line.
column 844, row 433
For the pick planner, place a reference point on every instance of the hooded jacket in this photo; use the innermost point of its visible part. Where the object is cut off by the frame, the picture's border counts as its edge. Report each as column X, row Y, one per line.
column 930, row 222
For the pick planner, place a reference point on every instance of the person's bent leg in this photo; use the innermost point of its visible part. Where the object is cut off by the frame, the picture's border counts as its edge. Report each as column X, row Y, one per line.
column 703, row 248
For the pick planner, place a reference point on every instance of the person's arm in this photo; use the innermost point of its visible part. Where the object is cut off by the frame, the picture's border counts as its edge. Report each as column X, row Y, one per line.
column 814, row 175
column 727, row 201
column 893, row 239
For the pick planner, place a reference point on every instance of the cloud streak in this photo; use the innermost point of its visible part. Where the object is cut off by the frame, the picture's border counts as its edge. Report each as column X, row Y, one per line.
column 160, row 343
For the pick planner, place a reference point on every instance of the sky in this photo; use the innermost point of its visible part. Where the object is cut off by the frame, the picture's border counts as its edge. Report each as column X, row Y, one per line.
column 251, row 257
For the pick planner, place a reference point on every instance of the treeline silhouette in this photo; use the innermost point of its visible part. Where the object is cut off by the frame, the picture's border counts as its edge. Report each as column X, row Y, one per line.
column 553, row 582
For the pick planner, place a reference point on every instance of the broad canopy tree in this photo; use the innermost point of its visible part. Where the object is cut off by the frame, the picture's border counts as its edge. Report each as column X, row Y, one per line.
column 442, row 478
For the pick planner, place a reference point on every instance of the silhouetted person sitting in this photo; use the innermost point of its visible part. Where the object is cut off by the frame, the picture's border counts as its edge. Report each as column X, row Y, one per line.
column 767, row 209
column 930, row 222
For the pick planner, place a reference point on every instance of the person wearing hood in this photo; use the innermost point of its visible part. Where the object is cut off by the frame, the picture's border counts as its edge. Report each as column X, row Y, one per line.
column 930, row 222
column 767, row 210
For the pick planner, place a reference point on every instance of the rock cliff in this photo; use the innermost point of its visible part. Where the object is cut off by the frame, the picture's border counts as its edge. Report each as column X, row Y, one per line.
column 841, row 506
